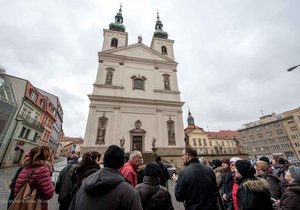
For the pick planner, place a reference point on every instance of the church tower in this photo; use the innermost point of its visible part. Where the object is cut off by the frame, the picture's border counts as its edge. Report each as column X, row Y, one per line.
column 135, row 101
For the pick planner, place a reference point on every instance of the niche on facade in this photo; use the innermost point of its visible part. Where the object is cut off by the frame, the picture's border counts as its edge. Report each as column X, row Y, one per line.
column 171, row 132
column 102, row 124
column 164, row 50
column 109, row 75
column 114, row 42
column 166, row 80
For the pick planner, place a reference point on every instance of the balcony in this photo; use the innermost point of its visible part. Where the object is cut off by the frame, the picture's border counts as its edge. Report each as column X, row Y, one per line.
column 31, row 122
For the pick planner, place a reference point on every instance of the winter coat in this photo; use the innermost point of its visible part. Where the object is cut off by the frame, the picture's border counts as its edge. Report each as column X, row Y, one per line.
column 274, row 184
column 291, row 198
column 154, row 196
column 40, row 179
column 219, row 172
column 196, row 186
column 129, row 171
column 107, row 189
column 226, row 186
column 84, row 171
column 253, row 194
column 65, row 185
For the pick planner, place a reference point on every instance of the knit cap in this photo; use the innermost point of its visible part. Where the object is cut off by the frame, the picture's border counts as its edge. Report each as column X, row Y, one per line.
column 295, row 172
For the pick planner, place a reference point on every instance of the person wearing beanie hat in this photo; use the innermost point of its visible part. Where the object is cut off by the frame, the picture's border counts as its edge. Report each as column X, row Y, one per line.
column 153, row 195
column 252, row 192
column 265, row 159
column 107, row 188
column 262, row 171
column 291, row 197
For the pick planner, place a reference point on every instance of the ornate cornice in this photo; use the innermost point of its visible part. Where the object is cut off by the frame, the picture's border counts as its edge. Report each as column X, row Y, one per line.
column 108, row 86
column 166, row 91
column 116, row 99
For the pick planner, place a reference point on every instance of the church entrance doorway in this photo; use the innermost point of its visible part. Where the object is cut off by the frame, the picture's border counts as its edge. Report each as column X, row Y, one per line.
column 137, row 143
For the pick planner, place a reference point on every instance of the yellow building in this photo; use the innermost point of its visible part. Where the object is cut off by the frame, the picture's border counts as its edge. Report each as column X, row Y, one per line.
column 212, row 143
column 70, row 145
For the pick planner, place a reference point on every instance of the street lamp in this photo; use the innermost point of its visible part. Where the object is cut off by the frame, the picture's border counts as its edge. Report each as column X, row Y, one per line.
column 292, row 68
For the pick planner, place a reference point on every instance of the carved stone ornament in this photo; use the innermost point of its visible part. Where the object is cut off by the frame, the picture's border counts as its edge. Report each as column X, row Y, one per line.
column 153, row 142
column 138, row 124
column 122, row 142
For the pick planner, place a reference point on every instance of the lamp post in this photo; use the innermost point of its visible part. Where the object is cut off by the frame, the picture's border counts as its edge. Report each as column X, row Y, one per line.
column 292, row 68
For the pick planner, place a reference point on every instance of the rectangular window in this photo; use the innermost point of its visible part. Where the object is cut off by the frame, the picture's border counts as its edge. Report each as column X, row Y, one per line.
column 195, row 144
column 22, row 132
column 199, row 142
column 269, row 133
column 280, row 131
column 33, row 96
column 294, row 128
column 277, row 124
column 35, row 137
column 27, row 133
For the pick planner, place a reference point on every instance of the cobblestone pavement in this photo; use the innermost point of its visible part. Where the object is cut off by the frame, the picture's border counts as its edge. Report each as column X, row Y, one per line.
column 7, row 174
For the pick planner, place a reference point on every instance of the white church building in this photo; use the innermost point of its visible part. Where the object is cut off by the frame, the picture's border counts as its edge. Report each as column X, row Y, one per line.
column 135, row 102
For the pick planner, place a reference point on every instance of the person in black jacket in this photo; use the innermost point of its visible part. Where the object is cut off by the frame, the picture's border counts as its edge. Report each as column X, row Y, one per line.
column 196, row 184
column 253, row 193
column 153, row 195
column 165, row 174
column 65, row 182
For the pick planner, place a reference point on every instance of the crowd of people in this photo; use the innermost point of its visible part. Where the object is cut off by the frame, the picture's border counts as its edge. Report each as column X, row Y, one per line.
column 115, row 181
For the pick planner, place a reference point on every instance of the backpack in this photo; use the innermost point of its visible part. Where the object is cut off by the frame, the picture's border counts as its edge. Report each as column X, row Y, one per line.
column 27, row 198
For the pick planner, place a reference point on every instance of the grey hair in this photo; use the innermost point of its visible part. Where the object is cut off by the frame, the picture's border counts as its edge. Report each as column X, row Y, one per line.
column 134, row 153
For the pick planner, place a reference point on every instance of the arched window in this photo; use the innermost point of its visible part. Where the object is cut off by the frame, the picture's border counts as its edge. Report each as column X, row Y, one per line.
column 138, row 82
column 164, row 50
column 114, row 42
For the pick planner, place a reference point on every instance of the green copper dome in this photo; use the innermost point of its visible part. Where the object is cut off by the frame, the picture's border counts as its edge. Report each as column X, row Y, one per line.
column 118, row 24
column 159, row 33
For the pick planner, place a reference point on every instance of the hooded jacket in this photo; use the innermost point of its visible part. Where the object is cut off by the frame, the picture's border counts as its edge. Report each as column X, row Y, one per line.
column 253, row 194
column 154, row 196
column 107, row 189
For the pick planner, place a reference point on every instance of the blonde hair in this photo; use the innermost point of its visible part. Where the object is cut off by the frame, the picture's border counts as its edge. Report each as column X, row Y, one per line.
column 38, row 155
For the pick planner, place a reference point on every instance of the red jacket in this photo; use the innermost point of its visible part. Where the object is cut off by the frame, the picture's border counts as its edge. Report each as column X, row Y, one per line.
column 41, row 179
column 129, row 172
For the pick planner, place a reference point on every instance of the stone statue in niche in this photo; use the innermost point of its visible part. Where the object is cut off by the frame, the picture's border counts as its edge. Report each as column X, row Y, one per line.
column 171, row 132
column 108, row 80
column 167, row 83
column 122, row 142
column 153, row 142
column 102, row 123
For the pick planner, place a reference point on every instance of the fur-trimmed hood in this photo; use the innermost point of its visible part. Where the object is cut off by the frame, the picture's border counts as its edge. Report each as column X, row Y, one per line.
column 294, row 186
column 255, row 184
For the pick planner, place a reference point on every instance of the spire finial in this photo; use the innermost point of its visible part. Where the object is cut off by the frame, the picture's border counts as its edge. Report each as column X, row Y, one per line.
column 120, row 10
column 159, row 33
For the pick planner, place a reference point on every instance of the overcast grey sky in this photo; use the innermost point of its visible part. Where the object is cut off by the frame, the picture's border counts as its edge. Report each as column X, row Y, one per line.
column 232, row 54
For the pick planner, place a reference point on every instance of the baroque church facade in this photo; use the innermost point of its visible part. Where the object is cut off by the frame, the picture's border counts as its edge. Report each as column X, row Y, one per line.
column 135, row 101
